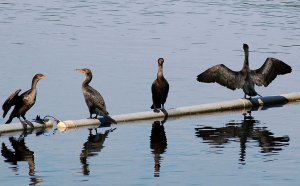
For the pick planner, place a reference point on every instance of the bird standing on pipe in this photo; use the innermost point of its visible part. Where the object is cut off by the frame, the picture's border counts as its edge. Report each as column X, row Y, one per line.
column 159, row 88
column 22, row 102
column 93, row 98
column 245, row 78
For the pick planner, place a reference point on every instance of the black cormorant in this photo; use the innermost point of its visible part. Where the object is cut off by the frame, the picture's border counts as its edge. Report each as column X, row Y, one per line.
column 93, row 98
column 159, row 88
column 245, row 78
column 22, row 102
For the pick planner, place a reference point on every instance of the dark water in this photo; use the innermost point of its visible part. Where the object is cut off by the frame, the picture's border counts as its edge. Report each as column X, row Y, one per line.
column 120, row 42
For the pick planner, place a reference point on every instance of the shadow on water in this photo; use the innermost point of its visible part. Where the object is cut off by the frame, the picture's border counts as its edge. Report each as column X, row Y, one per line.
column 20, row 152
column 158, row 142
column 244, row 131
column 91, row 147
column 268, row 102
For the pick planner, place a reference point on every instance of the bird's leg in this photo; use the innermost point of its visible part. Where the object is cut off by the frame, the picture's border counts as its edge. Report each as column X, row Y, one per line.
column 96, row 116
column 155, row 109
column 245, row 97
column 28, row 122
column 163, row 108
column 24, row 124
column 91, row 116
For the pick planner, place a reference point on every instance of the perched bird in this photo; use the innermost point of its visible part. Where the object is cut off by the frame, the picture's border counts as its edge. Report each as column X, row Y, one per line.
column 22, row 102
column 159, row 88
column 245, row 78
column 93, row 98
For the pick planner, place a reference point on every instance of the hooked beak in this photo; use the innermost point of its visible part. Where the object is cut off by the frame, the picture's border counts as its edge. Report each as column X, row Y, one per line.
column 43, row 77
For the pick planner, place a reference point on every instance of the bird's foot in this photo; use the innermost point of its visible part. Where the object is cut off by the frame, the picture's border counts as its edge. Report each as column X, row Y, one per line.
column 156, row 110
column 29, row 123
column 245, row 97
column 24, row 125
column 164, row 110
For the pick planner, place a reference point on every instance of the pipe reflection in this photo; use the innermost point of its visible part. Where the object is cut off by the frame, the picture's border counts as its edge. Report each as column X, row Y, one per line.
column 158, row 143
column 91, row 147
column 244, row 131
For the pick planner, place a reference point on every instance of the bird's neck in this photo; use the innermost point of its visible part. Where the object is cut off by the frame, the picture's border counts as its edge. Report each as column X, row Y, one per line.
column 87, row 80
column 160, row 74
column 34, row 83
column 246, row 61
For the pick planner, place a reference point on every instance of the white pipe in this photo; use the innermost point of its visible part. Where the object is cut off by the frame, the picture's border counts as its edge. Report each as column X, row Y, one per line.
column 4, row 128
column 238, row 104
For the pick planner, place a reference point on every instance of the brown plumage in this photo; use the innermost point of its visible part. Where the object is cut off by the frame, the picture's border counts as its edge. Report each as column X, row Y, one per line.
column 22, row 102
column 245, row 78
column 159, row 88
column 93, row 98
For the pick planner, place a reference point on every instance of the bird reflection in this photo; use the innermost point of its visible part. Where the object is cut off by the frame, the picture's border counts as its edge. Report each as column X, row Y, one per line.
column 158, row 143
column 91, row 147
column 245, row 130
column 20, row 153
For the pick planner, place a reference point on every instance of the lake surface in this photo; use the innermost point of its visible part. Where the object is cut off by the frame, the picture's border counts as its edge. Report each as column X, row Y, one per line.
column 121, row 42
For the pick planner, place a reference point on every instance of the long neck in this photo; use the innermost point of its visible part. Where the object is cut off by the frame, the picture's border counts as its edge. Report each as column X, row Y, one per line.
column 34, row 83
column 246, row 61
column 88, row 79
column 160, row 72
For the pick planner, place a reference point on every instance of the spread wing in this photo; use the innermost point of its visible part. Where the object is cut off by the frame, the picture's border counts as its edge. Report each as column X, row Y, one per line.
column 10, row 101
column 269, row 71
column 222, row 75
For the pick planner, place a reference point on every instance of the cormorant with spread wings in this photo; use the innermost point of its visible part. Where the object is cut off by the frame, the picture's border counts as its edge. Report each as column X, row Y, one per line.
column 245, row 78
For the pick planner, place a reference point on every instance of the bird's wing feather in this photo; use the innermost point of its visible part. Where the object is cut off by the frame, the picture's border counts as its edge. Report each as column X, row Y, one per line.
column 158, row 91
column 222, row 75
column 268, row 71
column 10, row 101
column 96, row 99
column 167, row 89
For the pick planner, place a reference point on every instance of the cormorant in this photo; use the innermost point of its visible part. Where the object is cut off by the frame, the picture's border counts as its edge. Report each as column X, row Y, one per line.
column 245, row 78
column 93, row 98
column 22, row 102
column 159, row 88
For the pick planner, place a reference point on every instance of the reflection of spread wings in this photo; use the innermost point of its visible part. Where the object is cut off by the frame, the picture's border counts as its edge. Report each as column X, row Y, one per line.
column 10, row 101
column 222, row 75
column 268, row 71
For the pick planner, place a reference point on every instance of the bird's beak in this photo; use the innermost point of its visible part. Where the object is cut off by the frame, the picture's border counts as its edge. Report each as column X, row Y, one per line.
column 43, row 77
column 80, row 70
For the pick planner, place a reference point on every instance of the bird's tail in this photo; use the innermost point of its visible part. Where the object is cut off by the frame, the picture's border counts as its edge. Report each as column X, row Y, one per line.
column 108, row 118
column 4, row 113
column 9, row 120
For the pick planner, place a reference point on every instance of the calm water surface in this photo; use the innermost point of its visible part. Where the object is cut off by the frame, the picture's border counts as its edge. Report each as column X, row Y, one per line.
column 120, row 42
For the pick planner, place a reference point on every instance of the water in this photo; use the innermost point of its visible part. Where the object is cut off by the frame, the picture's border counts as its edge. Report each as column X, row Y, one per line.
column 121, row 42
